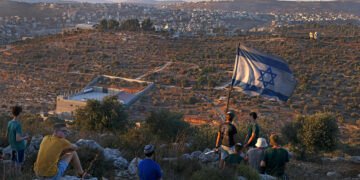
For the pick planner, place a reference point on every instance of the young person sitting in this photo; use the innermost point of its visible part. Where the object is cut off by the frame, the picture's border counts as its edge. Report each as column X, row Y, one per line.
column 49, row 165
column 235, row 159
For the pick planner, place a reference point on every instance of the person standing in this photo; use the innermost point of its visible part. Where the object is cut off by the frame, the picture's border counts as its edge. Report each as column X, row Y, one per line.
column 275, row 158
column 227, row 136
column 254, row 155
column 147, row 168
column 17, row 141
column 253, row 133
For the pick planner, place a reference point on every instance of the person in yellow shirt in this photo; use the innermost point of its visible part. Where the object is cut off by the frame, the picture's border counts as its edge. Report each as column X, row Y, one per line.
column 48, row 164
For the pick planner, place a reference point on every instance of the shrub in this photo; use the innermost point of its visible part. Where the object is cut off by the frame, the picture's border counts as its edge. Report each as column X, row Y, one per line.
column 203, row 136
column 107, row 115
column 312, row 133
column 165, row 124
column 99, row 167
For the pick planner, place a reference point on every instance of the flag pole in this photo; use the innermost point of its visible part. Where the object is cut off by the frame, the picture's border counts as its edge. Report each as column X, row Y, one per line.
column 231, row 85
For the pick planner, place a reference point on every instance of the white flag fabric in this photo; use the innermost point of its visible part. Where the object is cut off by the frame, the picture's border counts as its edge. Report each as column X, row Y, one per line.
column 258, row 74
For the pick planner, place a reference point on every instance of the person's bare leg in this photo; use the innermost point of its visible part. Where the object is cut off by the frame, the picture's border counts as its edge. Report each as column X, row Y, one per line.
column 75, row 161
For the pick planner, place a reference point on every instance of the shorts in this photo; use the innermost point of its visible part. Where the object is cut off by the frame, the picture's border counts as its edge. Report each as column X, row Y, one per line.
column 62, row 165
column 225, row 151
column 18, row 156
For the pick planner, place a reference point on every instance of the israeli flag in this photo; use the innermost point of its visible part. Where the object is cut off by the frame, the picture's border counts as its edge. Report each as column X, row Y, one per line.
column 259, row 74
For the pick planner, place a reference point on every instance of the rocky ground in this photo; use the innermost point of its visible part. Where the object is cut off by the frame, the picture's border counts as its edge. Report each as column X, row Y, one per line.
column 327, row 168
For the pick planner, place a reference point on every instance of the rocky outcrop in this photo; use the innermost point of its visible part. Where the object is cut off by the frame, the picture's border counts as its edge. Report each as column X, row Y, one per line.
column 133, row 166
column 211, row 157
column 355, row 159
column 111, row 154
column 333, row 174
column 90, row 144
column 34, row 145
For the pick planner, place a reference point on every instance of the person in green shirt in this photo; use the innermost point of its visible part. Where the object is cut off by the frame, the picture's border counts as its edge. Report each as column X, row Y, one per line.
column 253, row 133
column 275, row 159
column 235, row 159
column 17, row 141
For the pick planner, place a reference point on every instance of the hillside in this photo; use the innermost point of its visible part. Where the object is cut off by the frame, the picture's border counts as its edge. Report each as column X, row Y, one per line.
column 268, row 6
column 189, row 73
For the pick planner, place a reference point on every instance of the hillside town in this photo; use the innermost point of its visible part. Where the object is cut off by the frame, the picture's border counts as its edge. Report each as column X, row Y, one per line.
column 180, row 22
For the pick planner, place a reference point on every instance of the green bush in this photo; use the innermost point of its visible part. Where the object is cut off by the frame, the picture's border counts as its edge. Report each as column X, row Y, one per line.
column 312, row 133
column 203, row 136
column 167, row 125
column 107, row 115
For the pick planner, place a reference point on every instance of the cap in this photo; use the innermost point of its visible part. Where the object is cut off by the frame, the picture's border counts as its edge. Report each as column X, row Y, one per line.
column 148, row 149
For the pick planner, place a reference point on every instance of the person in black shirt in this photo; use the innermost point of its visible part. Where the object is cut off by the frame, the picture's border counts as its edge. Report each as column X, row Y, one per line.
column 226, row 135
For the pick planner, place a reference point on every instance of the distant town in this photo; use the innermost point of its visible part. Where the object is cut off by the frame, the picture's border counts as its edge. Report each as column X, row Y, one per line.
column 179, row 22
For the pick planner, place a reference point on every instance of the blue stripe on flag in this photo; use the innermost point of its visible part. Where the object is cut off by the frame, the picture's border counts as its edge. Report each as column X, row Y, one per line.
column 261, row 91
column 265, row 60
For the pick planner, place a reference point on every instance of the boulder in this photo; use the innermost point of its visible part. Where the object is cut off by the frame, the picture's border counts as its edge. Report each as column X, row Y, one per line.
column 358, row 176
column 339, row 159
column 120, row 163
column 91, row 144
column 185, row 156
column 123, row 175
column 355, row 159
column 7, row 152
column 195, row 155
column 34, row 145
column 333, row 174
column 132, row 168
column 111, row 154
column 326, row 159
column 266, row 177
column 241, row 178
column 204, row 158
column 67, row 177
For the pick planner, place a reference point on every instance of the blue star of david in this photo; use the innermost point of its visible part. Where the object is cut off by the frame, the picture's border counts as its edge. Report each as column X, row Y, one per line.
column 267, row 77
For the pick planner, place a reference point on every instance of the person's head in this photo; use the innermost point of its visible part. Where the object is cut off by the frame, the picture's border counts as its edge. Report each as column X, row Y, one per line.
column 238, row 148
column 149, row 150
column 253, row 116
column 274, row 140
column 16, row 110
column 261, row 143
column 60, row 130
column 230, row 116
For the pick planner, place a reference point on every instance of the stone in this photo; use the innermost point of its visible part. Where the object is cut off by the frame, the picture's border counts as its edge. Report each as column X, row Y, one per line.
column 186, row 156
column 111, row 154
column 241, row 178
column 123, row 174
column 358, row 176
column 355, row 159
column 195, row 155
column 266, row 177
column 204, row 158
column 91, row 144
column 132, row 168
column 326, row 159
column 339, row 159
column 67, row 177
column 170, row 159
column 120, row 163
column 34, row 145
column 333, row 174
column 7, row 152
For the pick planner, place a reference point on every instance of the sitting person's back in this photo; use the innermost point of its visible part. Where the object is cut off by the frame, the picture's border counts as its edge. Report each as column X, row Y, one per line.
column 147, row 168
column 234, row 159
column 254, row 155
column 275, row 159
